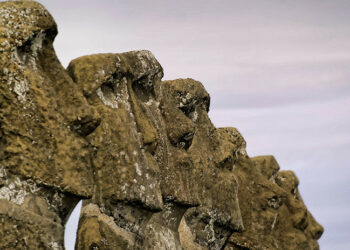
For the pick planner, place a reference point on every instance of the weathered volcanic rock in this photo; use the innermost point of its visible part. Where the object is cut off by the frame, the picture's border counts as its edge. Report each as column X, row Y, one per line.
column 185, row 105
column 120, row 87
column 276, row 218
column 145, row 146
column 153, row 170
column 44, row 157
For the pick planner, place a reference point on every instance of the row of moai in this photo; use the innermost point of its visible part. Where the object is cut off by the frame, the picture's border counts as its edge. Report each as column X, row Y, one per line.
column 151, row 168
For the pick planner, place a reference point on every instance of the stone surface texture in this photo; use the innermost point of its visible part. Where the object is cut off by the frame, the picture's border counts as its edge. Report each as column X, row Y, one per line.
column 151, row 168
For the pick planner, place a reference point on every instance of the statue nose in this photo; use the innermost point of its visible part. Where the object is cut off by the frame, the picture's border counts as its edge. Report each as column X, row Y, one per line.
column 315, row 228
column 142, row 106
column 317, row 232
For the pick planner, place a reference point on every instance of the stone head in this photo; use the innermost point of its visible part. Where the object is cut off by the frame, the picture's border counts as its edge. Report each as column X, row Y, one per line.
column 277, row 216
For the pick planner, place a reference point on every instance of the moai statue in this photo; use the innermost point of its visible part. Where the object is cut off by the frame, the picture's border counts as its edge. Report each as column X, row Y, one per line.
column 185, row 106
column 45, row 164
column 127, row 191
column 276, row 218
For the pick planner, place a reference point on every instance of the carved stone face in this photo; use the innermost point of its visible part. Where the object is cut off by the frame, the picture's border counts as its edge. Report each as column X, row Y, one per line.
column 309, row 231
column 127, row 146
column 184, row 106
column 42, row 132
column 209, row 156
column 44, row 158
column 120, row 87
column 276, row 217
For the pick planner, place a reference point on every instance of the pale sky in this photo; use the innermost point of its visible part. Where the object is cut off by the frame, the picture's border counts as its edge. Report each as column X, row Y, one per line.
column 276, row 70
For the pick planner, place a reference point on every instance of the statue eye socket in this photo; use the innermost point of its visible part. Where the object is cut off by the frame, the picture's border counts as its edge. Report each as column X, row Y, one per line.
column 108, row 87
column 190, row 105
column 30, row 49
column 185, row 141
column 187, row 104
column 144, row 88
column 187, row 109
column 274, row 202
column 227, row 163
column 24, row 51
